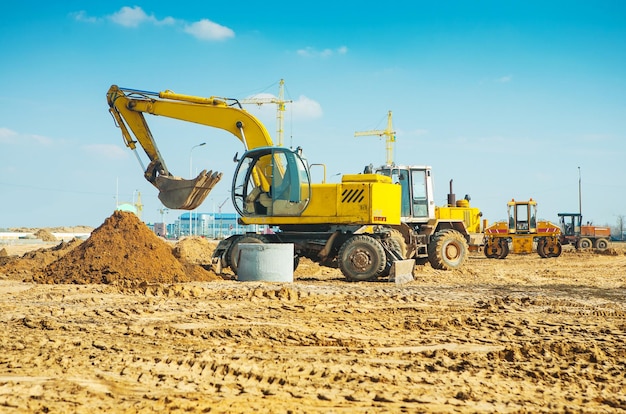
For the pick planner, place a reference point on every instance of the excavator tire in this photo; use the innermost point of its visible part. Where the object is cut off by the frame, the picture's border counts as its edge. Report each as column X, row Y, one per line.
column 447, row 250
column 362, row 258
column 232, row 257
column 398, row 242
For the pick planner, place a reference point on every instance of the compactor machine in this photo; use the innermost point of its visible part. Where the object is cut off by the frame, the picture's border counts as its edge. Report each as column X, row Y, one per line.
column 522, row 233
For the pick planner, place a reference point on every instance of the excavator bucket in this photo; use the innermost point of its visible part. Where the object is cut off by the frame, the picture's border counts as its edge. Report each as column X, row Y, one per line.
column 181, row 194
column 402, row 271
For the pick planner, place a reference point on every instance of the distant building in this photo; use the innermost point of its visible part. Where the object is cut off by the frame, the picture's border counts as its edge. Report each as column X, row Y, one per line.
column 210, row 225
column 160, row 229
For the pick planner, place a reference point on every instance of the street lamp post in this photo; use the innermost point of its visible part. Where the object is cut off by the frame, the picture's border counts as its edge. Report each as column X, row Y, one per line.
column 580, row 202
column 191, row 177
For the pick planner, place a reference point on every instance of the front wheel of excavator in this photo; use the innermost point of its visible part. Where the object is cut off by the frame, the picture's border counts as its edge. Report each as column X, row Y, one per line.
column 232, row 256
column 362, row 258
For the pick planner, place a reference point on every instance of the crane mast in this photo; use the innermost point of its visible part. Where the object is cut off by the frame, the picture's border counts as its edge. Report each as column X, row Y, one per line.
column 280, row 102
column 389, row 133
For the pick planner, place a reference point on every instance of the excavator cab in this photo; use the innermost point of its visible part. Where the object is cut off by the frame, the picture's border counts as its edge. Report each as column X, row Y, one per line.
column 271, row 181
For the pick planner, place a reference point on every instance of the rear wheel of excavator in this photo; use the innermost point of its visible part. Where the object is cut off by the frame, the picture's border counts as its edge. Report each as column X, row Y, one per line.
column 232, row 257
column 362, row 258
column 447, row 250
column 397, row 242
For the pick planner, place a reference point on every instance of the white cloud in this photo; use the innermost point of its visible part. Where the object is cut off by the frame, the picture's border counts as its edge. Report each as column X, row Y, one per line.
column 106, row 150
column 208, row 30
column 504, row 79
column 306, row 108
column 134, row 16
column 40, row 139
column 325, row 53
column 9, row 136
column 204, row 29
column 81, row 16
column 301, row 109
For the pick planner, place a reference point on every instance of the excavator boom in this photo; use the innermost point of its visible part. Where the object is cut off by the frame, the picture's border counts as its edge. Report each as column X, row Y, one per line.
column 127, row 106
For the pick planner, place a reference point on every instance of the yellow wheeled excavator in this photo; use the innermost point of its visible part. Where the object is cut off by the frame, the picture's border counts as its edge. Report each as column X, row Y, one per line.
column 522, row 233
column 352, row 224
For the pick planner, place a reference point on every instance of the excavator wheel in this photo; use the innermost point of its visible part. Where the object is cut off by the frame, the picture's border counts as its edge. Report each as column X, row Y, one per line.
column 602, row 244
column 397, row 242
column 447, row 250
column 232, row 257
column 584, row 243
column 362, row 258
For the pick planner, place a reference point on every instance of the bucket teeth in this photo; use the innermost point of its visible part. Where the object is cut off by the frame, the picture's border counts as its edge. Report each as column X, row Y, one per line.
column 182, row 194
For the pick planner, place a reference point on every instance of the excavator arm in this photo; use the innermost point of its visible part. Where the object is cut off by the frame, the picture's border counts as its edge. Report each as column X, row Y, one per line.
column 128, row 106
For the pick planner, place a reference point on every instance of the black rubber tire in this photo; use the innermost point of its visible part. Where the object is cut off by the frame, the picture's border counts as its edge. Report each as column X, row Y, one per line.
column 584, row 243
column 602, row 244
column 494, row 251
column 398, row 242
column 233, row 252
column 447, row 250
column 504, row 245
column 362, row 258
column 557, row 252
column 541, row 246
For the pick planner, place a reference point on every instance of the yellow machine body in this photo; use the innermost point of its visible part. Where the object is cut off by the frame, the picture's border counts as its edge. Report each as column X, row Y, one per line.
column 522, row 233
column 359, row 199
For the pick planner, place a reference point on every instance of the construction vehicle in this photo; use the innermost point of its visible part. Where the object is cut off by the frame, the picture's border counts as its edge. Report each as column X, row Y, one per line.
column 582, row 236
column 522, row 233
column 352, row 224
column 422, row 219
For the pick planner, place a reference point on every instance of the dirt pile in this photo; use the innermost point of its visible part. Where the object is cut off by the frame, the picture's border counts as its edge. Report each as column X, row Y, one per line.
column 196, row 250
column 122, row 251
column 33, row 262
column 45, row 235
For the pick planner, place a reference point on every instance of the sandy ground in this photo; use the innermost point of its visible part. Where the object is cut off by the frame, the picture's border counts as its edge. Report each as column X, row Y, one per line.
column 523, row 334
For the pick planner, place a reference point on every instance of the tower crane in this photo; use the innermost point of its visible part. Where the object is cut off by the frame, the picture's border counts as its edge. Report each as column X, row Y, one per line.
column 389, row 133
column 280, row 101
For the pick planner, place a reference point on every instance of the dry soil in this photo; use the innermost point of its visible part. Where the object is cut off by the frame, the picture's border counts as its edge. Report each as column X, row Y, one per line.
column 127, row 322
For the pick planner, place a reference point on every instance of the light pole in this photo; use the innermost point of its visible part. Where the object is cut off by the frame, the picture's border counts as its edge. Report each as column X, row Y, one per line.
column 580, row 202
column 191, row 177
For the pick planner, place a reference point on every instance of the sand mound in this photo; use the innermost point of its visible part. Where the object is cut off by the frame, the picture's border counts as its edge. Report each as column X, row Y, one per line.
column 3, row 252
column 33, row 262
column 122, row 251
column 195, row 250
column 45, row 235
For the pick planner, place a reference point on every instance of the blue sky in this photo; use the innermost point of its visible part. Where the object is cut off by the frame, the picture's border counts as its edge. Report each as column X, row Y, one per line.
column 506, row 98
